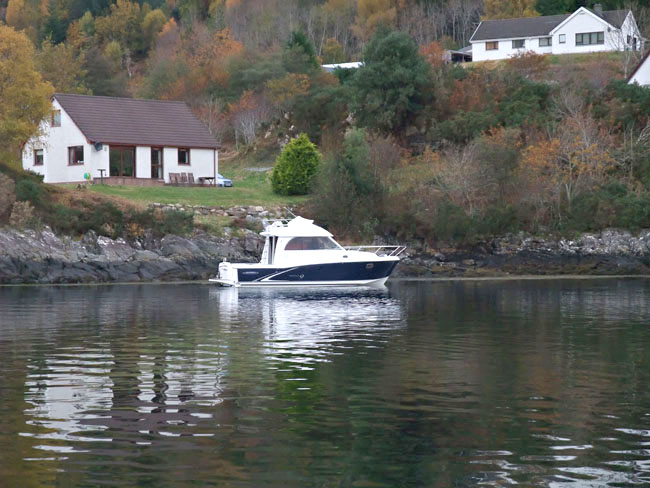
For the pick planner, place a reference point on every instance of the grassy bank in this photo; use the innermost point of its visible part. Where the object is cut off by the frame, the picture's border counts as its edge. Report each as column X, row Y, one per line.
column 251, row 187
column 254, row 189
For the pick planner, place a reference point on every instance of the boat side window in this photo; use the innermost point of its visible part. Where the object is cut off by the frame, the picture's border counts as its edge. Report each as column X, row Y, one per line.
column 310, row 244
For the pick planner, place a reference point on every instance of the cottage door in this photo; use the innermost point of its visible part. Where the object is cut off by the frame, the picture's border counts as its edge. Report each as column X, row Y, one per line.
column 157, row 163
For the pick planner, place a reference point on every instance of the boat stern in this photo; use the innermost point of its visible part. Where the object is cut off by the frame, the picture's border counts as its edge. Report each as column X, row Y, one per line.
column 227, row 275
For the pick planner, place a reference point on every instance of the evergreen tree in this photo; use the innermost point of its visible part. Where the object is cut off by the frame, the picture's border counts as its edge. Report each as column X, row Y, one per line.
column 299, row 56
column 392, row 85
column 296, row 167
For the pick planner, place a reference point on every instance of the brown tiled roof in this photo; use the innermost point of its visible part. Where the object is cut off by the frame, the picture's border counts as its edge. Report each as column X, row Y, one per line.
column 132, row 121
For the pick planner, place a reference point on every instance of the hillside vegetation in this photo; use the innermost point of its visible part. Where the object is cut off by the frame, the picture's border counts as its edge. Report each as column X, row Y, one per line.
column 410, row 146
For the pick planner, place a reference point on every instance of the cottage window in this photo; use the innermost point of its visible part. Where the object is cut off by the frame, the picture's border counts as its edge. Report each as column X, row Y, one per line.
column 38, row 157
column 562, row 38
column 122, row 161
column 76, row 155
column 183, row 155
column 545, row 41
column 517, row 43
column 492, row 46
column 590, row 38
column 56, row 118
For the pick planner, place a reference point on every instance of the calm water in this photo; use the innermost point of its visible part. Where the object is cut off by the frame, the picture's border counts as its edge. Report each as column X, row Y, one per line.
column 535, row 383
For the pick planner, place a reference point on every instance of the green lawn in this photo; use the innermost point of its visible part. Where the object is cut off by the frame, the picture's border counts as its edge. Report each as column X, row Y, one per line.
column 250, row 188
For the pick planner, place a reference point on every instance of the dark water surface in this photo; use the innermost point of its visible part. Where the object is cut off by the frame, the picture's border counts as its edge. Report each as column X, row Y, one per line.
column 425, row 384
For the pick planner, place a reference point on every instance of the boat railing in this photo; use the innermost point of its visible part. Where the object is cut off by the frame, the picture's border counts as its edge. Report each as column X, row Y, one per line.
column 379, row 250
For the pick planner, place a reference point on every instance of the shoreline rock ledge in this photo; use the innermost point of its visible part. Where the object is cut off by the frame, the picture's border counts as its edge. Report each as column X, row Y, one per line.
column 610, row 252
column 42, row 257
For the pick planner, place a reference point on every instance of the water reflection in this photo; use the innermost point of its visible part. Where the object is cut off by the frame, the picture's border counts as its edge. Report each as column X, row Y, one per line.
column 312, row 324
column 422, row 384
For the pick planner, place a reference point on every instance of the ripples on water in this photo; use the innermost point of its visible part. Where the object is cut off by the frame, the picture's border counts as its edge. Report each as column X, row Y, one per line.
column 536, row 383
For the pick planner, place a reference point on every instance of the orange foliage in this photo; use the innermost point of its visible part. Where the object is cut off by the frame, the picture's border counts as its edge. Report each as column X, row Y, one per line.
column 434, row 53
column 528, row 64
column 284, row 90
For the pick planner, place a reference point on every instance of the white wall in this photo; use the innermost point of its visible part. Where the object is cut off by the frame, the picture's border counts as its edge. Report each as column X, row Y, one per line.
column 143, row 162
column 55, row 142
column 202, row 163
column 479, row 52
column 582, row 22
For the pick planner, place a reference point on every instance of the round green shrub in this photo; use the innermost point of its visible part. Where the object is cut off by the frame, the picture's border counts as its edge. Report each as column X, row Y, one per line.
column 296, row 167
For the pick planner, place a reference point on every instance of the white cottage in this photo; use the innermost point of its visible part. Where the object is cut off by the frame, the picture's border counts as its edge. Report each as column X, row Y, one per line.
column 123, row 139
column 583, row 31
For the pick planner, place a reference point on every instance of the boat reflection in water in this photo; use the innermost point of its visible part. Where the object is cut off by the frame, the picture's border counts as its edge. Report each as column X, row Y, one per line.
column 305, row 320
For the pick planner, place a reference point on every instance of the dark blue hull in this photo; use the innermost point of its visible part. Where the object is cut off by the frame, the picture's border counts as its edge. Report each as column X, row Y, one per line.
column 334, row 273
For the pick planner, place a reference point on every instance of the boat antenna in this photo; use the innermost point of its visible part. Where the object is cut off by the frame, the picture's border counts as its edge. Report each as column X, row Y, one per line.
column 290, row 212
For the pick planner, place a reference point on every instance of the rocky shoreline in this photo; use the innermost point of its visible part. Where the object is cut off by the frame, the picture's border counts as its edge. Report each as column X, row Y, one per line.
column 610, row 252
column 41, row 256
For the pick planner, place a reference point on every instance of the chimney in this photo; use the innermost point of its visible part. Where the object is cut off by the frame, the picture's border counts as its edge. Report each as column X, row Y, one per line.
column 598, row 8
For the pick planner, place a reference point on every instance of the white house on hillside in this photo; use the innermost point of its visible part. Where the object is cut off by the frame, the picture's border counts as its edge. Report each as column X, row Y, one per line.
column 583, row 31
column 131, row 140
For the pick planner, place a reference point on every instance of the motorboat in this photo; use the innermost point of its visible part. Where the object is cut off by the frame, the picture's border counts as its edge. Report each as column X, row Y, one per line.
column 298, row 252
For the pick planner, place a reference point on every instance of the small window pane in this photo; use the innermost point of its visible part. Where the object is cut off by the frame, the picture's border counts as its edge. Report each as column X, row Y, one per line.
column 492, row 46
column 38, row 157
column 517, row 44
column 183, row 156
column 544, row 41
column 562, row 38
column 56, row 118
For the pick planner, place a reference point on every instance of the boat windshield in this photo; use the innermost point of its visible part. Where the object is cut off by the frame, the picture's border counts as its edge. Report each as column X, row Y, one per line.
column 311, row 244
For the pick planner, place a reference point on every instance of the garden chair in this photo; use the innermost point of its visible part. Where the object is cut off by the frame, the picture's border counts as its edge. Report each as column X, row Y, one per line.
column 190, row 178
column 183, row 178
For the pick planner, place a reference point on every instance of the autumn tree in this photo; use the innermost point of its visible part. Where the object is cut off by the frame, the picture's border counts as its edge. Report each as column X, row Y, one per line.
column 26, row 15
column 332, row 51
column 574, row 159
column 152, row 24
column 63, row 66
column 392, row 85
column 24, row 96
column 372, row 14
column 283, row 91
column 248, row 114
column 509, row 9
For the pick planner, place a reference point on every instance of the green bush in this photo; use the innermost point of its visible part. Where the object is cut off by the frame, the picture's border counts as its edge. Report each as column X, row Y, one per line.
column 451, row 223
column 296, row 167
column 28, row 190
column 63, row 219
column 610, row 206
column 174, row 222
column 497, row 220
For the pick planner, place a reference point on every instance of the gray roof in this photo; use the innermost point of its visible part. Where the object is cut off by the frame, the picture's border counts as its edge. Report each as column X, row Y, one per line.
column 534, row 26
column 132, row 121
